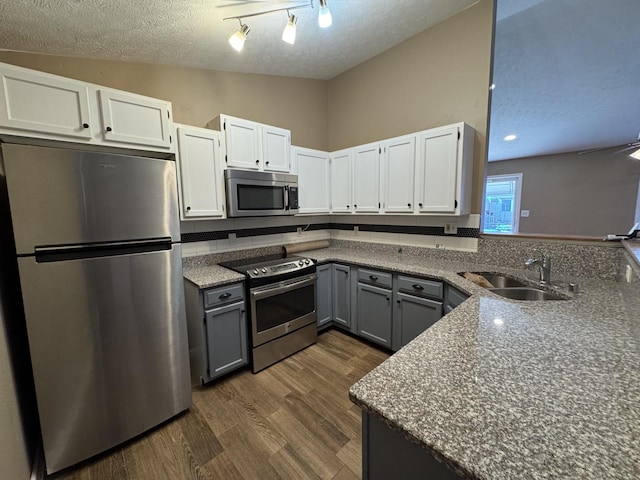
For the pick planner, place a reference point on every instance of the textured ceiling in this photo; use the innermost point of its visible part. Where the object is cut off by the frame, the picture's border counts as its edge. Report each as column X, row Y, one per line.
column 192, row 33
column 567, row 76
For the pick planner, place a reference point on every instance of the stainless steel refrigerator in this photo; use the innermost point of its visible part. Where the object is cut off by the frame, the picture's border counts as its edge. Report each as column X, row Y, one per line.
column 97, row 239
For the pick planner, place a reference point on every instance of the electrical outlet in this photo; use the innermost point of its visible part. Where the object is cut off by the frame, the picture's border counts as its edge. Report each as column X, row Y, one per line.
column 299, row 231
column 524, row 213
column 450, row 228
column 232, row 239
column 440, row 246
column 356, row 229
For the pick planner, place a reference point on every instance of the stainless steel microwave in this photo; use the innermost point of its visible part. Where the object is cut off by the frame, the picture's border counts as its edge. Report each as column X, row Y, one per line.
column 260, row 194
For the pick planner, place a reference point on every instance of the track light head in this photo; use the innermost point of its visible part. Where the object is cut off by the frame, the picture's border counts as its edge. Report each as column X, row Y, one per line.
column 324, row 15
column 289, row 33
column 238, row 38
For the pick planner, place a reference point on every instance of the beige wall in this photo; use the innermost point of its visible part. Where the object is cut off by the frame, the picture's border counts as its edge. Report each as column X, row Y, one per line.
column 435, row 78
column 198, row 96
column 571, row 194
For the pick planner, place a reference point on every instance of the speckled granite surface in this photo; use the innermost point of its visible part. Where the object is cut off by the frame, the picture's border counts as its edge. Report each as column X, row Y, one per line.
column 211, row 276
column 502, row 389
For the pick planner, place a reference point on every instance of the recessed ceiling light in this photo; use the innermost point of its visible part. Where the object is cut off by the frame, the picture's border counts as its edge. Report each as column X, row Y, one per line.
column 510, row 138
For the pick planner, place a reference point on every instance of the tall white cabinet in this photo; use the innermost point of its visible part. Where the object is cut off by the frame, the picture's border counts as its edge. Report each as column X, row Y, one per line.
column 366, row 178
column 314, row 184
column 397, row 173
column 341, row 185
column 200, row 179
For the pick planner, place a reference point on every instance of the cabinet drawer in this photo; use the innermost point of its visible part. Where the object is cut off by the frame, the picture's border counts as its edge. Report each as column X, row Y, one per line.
column 455, row 297
column 416, row 286
column 222, row 295
column 373, row 277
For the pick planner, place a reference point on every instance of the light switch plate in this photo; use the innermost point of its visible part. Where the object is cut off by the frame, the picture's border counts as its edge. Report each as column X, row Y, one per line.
column 524, row 213
column 450, row 228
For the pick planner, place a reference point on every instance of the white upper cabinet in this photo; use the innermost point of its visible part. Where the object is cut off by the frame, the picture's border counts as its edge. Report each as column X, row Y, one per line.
column 254, row 146
column 134, row 119
column 44, row 106
column 200, row 179
column 39, row 103
column 366, row 178
column 445, row 162
column 276, row 148
column 341, row 185
column 312, row 167
column 398, row 167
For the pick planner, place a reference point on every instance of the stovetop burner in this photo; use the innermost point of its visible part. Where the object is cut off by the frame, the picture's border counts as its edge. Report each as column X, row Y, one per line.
column 270, row 265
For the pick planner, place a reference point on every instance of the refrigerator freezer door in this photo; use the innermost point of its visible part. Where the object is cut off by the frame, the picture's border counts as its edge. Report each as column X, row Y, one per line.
column 108, row 347
column 66, row 197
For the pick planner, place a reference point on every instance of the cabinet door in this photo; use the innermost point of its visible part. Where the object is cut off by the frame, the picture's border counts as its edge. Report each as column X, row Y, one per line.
column 134, row 119
column 226, row 329
column 241, row 142
column 41, row 103
column 276, row 149
column 202, row 187
column 438, row 160
column 341, row 163
column 324, row 297
column 366, row 178
column 413, row 316
column 374, row 314
column 341, row 288
column 313, row 180
column 398, row 174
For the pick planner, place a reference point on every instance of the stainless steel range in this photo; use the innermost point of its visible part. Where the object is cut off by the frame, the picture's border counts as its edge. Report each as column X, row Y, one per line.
column 282, row 305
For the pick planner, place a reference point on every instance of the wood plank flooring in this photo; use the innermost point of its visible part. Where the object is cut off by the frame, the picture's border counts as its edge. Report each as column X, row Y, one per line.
column 293, row 420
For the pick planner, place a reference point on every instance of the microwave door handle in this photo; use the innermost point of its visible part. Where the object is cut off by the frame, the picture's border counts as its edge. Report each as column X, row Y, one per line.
column 286, row 197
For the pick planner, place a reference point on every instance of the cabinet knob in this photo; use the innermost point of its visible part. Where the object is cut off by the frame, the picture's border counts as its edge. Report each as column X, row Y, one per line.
column 109, row 129
column 267, row 162
column 420, row 205
column 347, row 206
column 224, row 295
column 409, row 205
column 188, row 208
column 418, row 287
column 373, row 277
column 85, row 125
column 355, row 206
column 257, row 162
column 398, row 302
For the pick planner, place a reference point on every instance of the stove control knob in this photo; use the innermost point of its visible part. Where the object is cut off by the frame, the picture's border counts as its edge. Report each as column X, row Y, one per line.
column 301, row 263
column 307, row 261
column 256, row 272
column 264, row 270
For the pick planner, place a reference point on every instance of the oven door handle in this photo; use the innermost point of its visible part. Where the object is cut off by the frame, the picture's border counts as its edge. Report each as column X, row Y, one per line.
column 271, row 290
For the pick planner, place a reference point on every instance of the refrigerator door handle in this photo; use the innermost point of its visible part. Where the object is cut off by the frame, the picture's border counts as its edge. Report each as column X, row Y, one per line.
column 106, row 249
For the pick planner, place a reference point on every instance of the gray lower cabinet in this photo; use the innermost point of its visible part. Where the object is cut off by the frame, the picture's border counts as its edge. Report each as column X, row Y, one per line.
column 386, row 454
column 453, row 298
column 417, row 306
column 341, row 295
column 324, row 296
column 374, row 314
column 226, row 329
column 217, row 327
column 412, row 316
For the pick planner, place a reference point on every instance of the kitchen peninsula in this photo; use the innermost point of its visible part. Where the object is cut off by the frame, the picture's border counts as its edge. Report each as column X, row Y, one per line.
column 502, row 389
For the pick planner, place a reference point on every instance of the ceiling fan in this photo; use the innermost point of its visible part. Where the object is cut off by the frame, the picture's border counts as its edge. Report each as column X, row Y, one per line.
column 625, row 147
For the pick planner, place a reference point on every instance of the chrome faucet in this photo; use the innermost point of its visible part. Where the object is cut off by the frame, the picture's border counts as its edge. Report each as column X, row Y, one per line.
column 544, row 265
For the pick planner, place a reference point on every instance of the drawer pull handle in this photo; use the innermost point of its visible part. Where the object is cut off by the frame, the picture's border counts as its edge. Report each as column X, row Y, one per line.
column 417, row 287
column 373, row 277
column 224, row 295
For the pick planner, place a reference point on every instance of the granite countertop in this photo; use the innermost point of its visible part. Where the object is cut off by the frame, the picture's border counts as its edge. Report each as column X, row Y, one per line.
column 503, row 389
column 207, row 276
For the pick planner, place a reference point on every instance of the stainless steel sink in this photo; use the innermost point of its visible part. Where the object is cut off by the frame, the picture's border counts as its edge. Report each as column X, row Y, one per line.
column 526, row 293
column 499, row 281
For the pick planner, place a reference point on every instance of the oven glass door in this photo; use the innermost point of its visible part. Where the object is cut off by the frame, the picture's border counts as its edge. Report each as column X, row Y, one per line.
column 282, row 308
column 261, row 197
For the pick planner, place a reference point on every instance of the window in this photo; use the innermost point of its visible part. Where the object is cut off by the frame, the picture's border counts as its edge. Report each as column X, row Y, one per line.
column 502, row 203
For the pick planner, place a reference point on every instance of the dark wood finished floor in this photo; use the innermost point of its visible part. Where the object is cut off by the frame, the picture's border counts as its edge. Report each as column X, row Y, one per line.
column 292, row 421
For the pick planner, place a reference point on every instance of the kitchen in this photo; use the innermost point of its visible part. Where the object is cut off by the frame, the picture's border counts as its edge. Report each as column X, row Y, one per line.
column 467, row 34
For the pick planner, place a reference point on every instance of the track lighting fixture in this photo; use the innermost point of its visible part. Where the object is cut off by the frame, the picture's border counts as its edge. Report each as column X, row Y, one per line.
column 324, row 15
column 237, row 39
column 289, row 34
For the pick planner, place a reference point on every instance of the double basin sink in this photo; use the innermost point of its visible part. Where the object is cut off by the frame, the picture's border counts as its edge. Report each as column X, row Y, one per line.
column 515, row 289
